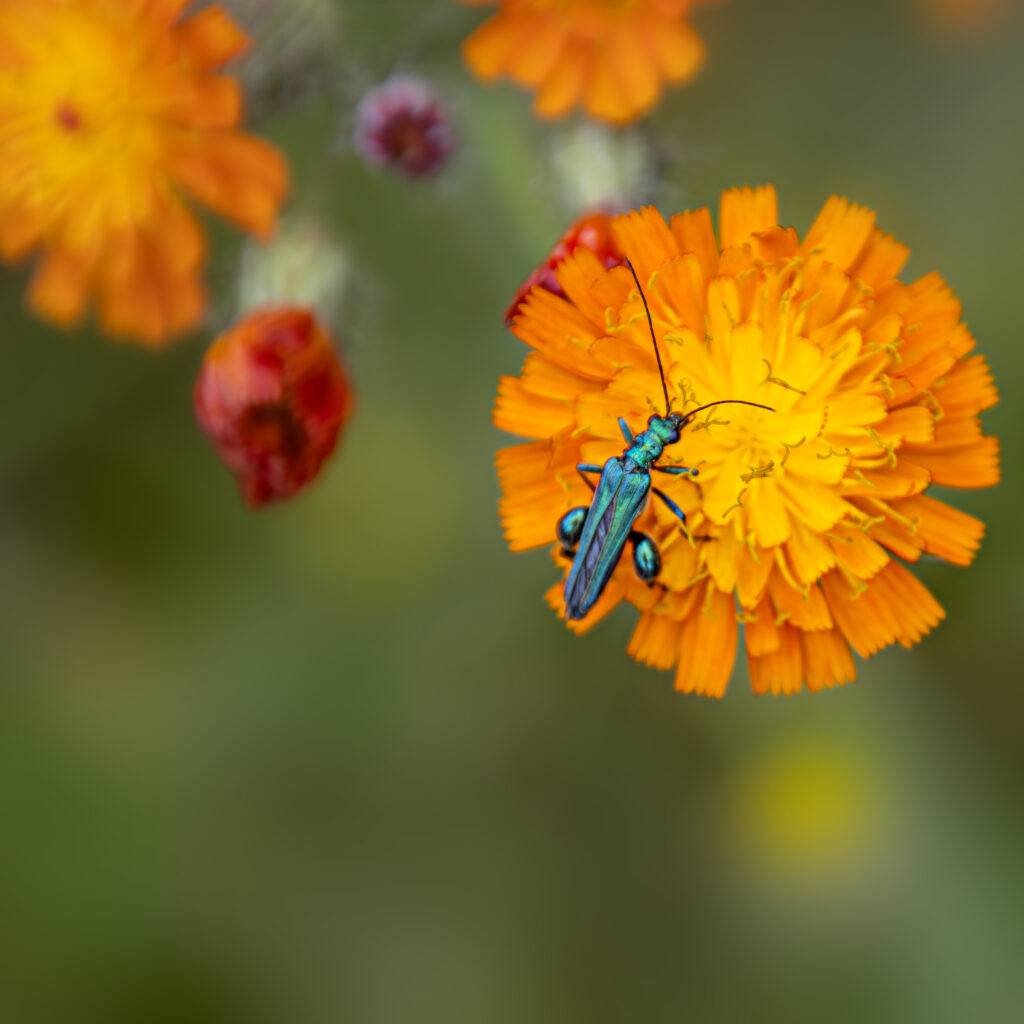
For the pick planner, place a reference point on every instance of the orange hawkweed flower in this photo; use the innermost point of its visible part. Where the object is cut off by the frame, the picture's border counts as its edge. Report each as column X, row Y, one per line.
column 611, row 56
column 272, row 397
column 812, row 509
column 109, row 113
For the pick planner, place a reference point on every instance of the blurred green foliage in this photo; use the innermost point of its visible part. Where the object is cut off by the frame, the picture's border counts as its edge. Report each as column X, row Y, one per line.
column 337, row 761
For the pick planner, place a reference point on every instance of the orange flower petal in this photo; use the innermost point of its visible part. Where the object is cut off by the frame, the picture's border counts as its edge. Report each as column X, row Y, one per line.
column 841, row 233
column 211, row 37
column 744, row 211
column 539, row 52
column 240, row 177
column 562, row 88
column 677, row 49
column 779, row 671
column 707, row 646
column 60, row 288
column 613, row 58
column 827, row 660
column 656, row 640
column 488, row 50
column 695, row 234
column 944, row 531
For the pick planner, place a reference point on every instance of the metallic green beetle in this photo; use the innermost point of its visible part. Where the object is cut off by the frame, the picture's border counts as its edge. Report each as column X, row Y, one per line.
column 598, row 534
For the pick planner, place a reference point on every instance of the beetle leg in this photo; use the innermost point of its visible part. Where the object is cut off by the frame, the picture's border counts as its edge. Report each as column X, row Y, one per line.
column 588, row 467
column 671, row 505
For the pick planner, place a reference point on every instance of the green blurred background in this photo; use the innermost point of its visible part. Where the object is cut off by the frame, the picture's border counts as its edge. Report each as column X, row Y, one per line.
column 338, row 761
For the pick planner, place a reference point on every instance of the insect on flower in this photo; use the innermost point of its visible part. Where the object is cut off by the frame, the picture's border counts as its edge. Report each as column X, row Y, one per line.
column 599, row 533
column 816, row 508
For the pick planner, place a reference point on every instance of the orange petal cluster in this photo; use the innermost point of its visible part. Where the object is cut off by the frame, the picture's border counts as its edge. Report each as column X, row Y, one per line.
column 812, row 510
column 272, row 397
column 613, row 57
column 110, row 114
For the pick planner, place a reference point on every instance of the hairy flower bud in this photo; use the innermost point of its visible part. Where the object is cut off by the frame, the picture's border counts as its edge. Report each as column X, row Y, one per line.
column 403, row 124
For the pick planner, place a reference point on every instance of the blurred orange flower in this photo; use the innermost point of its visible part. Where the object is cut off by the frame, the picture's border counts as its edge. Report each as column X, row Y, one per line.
column 613, row 56
column 272, row 397
column 959, row 15
column 812, row 509
column 592, row 230
column 110, row 111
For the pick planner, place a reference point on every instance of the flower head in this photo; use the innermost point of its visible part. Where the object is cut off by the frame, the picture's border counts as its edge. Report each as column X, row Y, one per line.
column 272, row 397
column 594, row 231
column 403, row 124
column 809, row 510
column 110, row 113
column 611, row 56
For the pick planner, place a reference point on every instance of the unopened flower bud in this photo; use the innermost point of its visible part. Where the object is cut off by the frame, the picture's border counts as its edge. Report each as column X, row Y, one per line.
column 272, row 396
column 403, row 125
column 593, row 231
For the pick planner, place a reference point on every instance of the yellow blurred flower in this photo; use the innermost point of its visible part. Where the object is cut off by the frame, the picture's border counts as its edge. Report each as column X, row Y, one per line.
column 111, row 111
column 811, row 509
column 612, row 56
column 808, row 804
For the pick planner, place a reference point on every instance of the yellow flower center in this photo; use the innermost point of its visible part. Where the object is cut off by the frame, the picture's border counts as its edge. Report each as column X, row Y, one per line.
column 86, row 139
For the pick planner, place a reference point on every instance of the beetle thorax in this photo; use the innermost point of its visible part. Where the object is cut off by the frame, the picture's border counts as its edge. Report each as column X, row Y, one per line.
column 647, row 448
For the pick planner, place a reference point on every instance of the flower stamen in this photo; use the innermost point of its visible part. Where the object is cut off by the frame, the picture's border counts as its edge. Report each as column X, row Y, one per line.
column 789, row 448
column 845, row 453
column 758, row 472
column 778, row 380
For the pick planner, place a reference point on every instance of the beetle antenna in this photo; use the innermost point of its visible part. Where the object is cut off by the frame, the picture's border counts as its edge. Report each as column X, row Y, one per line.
column 654, row 340
column 727, row 401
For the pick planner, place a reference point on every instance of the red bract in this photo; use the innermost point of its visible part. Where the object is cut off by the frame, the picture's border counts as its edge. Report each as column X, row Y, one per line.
column 272, row 397
column 403, row 124
column 594, row 232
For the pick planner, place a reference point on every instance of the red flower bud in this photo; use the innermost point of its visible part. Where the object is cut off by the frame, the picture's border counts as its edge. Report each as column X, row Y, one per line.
column 595, row 232
column 272, row 396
